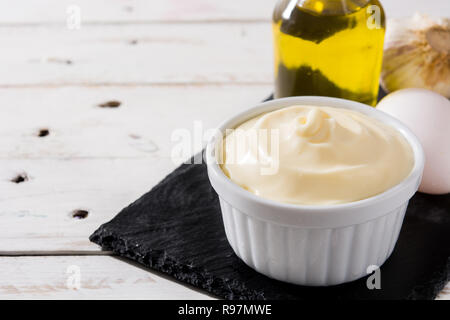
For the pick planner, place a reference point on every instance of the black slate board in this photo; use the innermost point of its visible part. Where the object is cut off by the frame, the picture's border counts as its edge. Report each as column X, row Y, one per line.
column 177, row 229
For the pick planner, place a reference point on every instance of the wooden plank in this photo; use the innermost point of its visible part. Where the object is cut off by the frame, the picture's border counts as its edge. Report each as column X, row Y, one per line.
column 37, row 215
column 142, row 126
column 25, row 12
column 140, row 54
column 101, row 277
column 95, row 159
column 407, row 8
column 137, row 11
column 238, row 53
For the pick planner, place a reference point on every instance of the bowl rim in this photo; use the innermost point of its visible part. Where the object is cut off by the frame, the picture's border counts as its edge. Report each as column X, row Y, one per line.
column 413, row 179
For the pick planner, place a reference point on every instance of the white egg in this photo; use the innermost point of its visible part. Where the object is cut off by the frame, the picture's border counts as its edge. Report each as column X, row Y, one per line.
column 427, row 114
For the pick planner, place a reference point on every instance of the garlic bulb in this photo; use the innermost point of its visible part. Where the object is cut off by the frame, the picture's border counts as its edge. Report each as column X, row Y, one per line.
column 417, row 55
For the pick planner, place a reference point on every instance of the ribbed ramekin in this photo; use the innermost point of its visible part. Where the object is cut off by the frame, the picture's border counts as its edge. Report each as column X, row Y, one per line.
column 313, row 245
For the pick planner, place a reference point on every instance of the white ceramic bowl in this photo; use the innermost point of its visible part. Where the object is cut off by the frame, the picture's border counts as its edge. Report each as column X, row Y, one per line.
column 313, row 245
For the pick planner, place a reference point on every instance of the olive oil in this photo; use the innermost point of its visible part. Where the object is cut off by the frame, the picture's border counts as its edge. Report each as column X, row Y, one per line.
column 328, row 48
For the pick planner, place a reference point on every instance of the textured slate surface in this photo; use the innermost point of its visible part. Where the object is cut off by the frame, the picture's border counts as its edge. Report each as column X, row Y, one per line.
column 177, row 228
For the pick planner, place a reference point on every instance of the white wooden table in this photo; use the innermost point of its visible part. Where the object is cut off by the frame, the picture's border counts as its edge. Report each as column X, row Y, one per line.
column 169, row 63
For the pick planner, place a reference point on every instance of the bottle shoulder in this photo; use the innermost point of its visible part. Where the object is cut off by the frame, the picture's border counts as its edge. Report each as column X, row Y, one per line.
column 292, row 19
column 285, row 9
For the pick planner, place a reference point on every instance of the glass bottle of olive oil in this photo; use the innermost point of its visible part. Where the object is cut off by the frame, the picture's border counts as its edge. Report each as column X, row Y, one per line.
column 328, row 48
